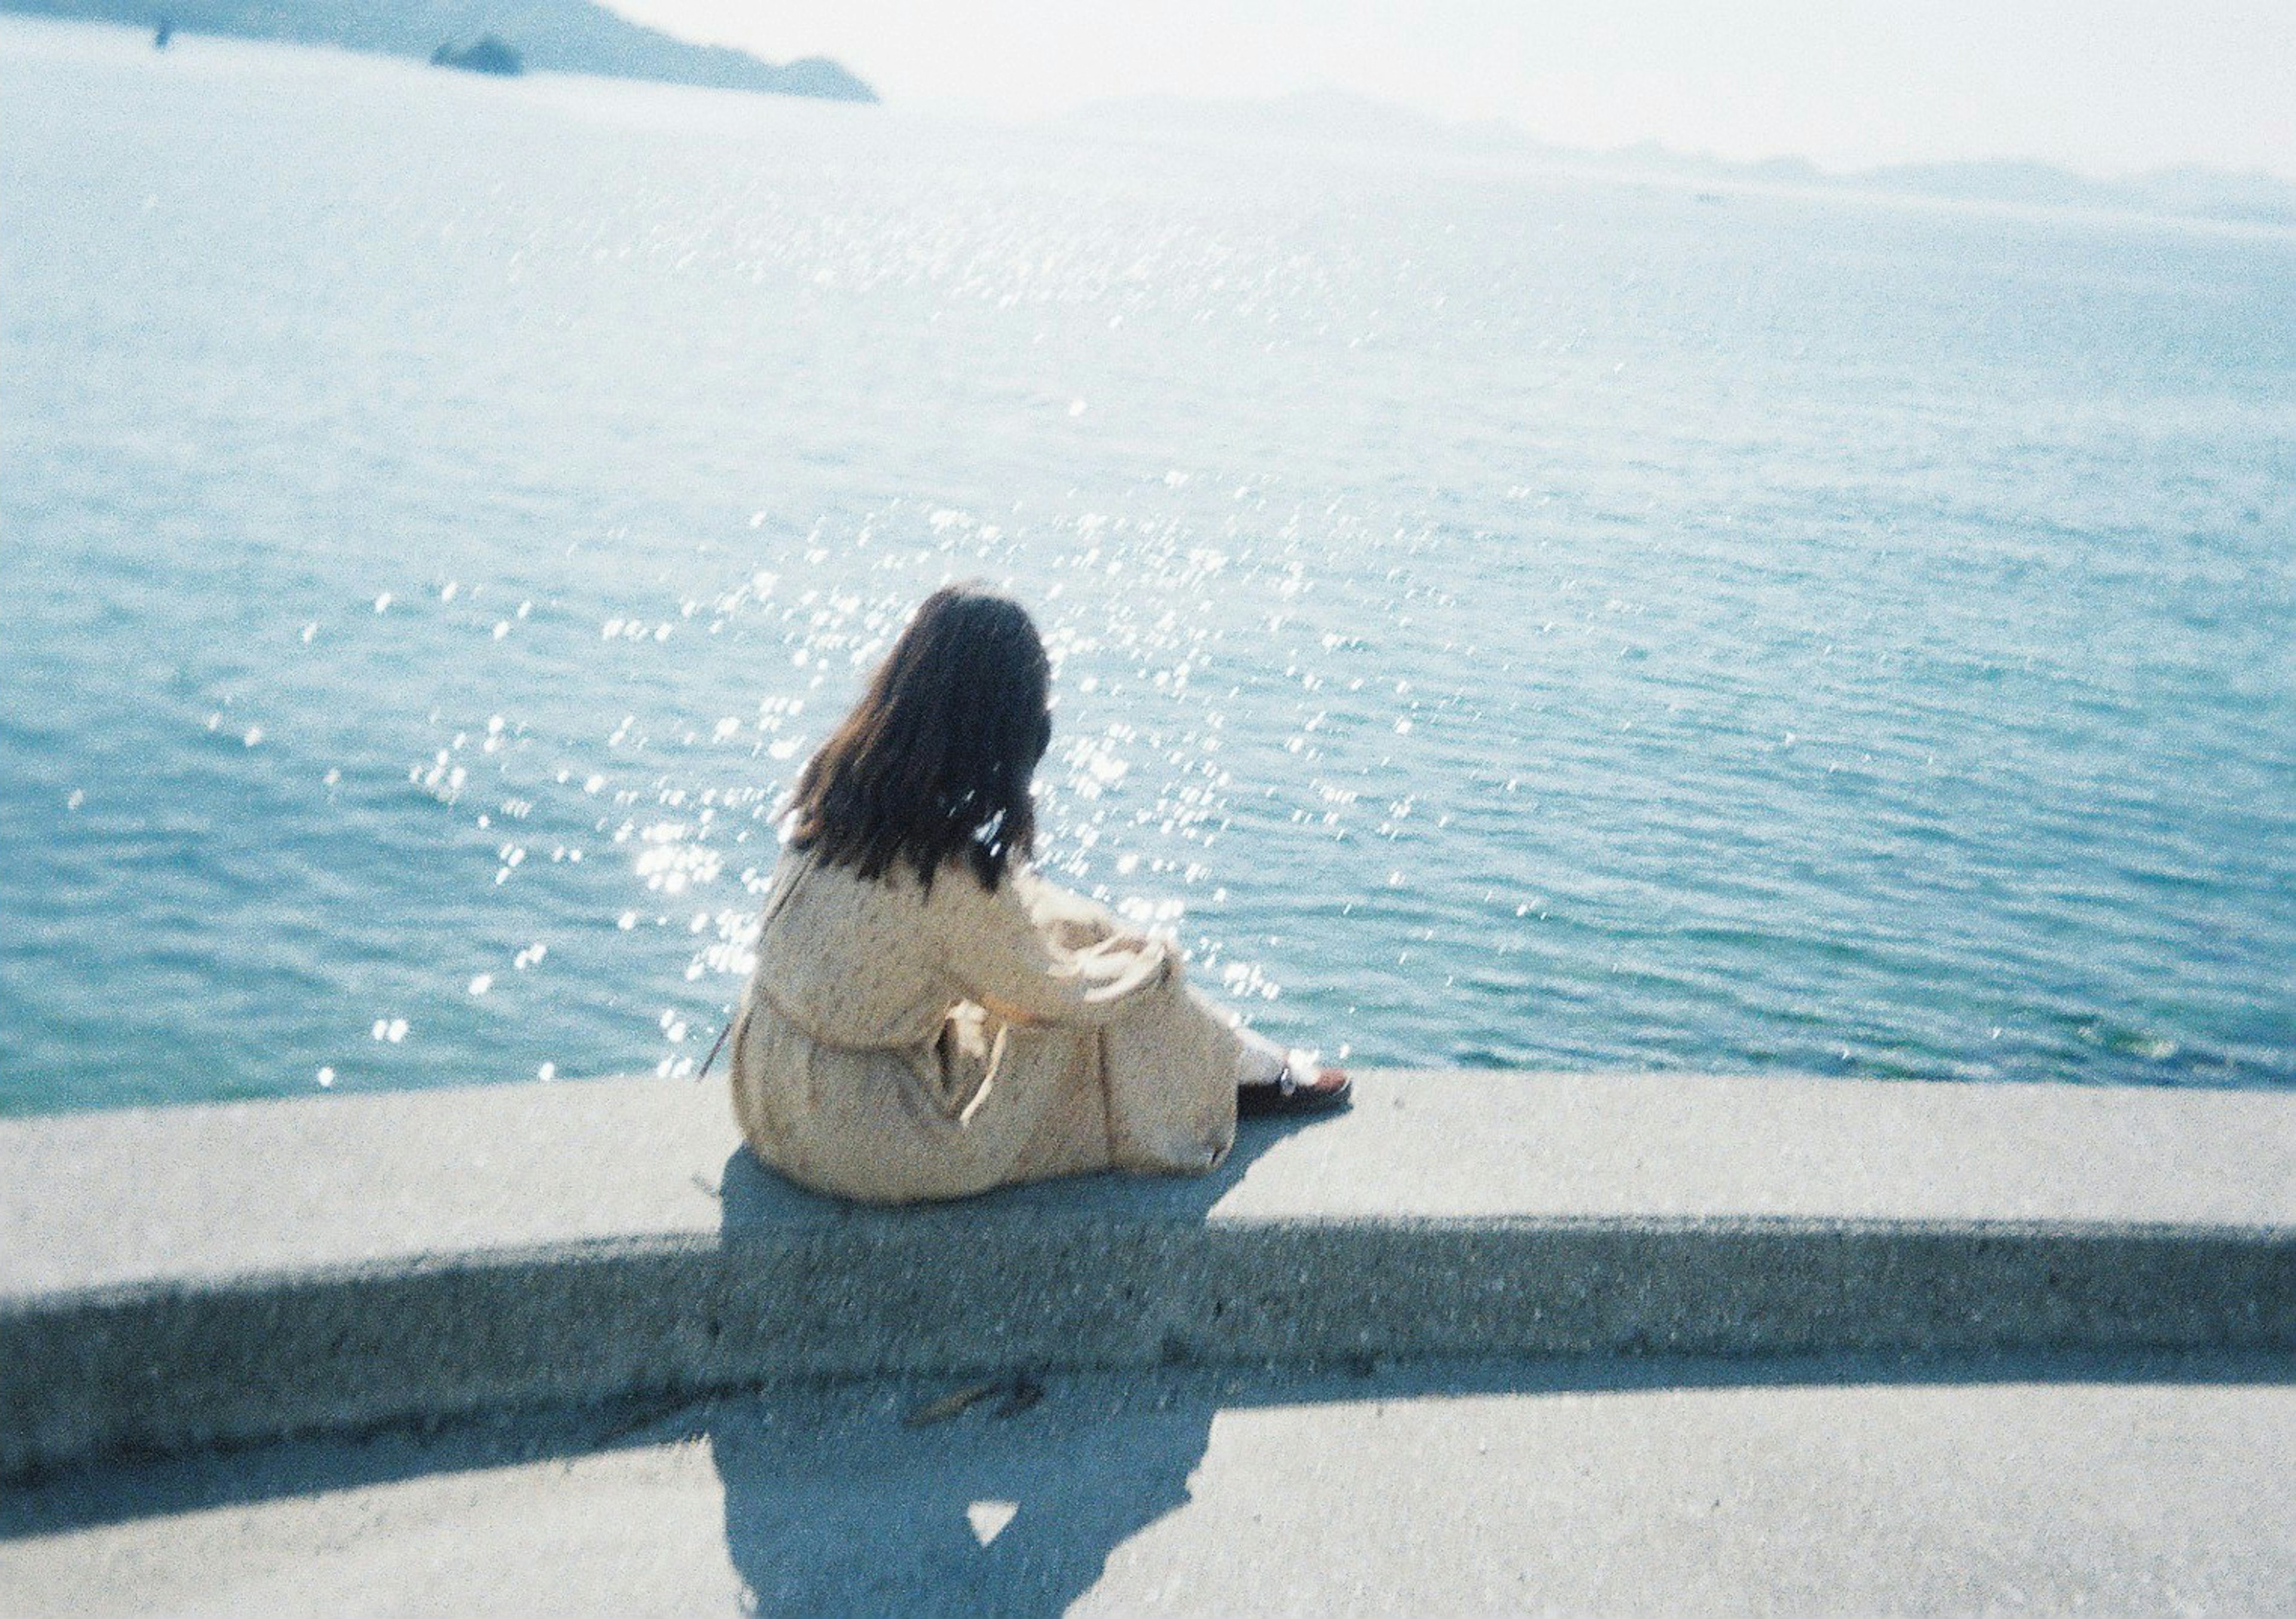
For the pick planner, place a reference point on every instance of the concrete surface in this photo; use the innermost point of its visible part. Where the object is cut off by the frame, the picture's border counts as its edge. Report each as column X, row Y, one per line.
column 215, row 1193
column 1660, row 1486
column 185, row 1277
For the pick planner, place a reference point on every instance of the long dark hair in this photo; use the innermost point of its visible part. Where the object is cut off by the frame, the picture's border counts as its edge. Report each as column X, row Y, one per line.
column 934, row 761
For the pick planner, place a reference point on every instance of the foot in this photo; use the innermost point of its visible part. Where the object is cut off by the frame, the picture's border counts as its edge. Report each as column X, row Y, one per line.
column 1299, row 1086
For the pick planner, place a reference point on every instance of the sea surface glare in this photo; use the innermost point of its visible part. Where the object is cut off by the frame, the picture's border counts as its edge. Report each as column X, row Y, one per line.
column 1503, row 617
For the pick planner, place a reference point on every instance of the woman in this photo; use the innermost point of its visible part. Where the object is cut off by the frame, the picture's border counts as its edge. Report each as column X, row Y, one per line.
column 929, row 1019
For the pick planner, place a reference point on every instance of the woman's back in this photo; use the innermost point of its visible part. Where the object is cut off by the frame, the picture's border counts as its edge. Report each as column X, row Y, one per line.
column 856, row 962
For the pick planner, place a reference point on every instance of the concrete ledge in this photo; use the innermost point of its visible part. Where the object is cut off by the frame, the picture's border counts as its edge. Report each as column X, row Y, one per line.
column 179, row 1278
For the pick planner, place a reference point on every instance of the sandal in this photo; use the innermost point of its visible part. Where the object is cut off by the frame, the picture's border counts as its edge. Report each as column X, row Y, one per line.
column 1299, row 1086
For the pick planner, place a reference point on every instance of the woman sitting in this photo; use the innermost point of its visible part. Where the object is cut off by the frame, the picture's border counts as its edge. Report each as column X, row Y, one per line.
column 928, row 1018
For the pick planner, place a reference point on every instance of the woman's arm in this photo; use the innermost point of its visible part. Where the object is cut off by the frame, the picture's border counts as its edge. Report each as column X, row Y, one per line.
column 1008, row 950
column 1066, row 918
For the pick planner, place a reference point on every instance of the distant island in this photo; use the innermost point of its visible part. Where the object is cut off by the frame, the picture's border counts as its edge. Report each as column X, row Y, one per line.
column 484, row 54
column 546, row 36
column 1328, row 117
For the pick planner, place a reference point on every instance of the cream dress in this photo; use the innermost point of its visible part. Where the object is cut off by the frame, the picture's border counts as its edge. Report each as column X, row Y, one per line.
column 898, row 1043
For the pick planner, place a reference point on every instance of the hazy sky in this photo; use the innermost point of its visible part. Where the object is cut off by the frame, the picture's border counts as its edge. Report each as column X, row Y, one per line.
column 2104, row 85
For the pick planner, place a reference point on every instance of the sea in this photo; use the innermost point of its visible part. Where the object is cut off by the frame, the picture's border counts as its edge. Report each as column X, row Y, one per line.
column 1506, row 614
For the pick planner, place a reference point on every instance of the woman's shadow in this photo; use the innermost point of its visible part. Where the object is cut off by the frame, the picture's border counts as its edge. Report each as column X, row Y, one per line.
column 984, row 1494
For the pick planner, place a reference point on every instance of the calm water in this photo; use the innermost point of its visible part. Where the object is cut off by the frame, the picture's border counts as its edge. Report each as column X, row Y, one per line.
column 1503, row 619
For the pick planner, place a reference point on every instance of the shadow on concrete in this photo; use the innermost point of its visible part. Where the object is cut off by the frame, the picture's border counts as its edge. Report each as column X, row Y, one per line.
column 863, row 1514
column 994, row 1508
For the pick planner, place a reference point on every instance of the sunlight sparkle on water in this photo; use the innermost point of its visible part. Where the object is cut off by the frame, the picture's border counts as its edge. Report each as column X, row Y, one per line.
column 1499, row 618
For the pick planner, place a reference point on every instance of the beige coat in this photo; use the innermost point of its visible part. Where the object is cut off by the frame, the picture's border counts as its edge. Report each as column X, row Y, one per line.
column 898, row 1044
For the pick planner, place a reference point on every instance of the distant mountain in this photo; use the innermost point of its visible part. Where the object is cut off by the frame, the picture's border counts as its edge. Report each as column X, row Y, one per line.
column 2188, row 192
column 549, row 36
column 1333, row 117
column 2215, row 193
column 2003, row 181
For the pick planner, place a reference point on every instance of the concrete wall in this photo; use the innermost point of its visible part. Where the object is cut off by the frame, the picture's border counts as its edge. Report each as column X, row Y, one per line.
column 180, row 1277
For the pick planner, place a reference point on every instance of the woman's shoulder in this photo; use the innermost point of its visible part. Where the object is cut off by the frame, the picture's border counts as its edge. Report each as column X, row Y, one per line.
column 806, row 877
column 959, row 884
column 958, row 898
